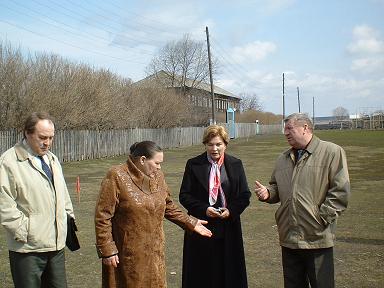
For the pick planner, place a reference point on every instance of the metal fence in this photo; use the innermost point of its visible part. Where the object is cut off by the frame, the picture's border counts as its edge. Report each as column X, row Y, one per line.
column 75, row 145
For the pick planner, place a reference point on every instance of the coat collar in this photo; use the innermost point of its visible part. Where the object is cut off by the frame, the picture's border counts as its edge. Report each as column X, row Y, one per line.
column 311, row 147
column 201, row 166
column 142, row 181
column 201, row 169
column 313, row 144
column 24, row 152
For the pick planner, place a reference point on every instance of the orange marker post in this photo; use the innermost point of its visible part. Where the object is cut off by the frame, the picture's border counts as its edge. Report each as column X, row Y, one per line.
column 78, row 189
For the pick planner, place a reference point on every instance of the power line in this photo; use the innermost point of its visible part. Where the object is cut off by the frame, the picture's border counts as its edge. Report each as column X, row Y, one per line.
column 75, row 14
column 93, row 37
column 49, row 23
column 66, row 43
column 234, row 69
column 156, row 23
column 112, row 12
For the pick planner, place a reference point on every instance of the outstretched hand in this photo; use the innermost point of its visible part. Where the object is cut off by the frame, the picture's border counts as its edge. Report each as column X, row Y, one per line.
column 201, row 229
column 261, row 191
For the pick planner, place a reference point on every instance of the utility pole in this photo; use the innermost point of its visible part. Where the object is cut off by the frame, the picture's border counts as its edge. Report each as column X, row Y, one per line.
column 313, row 112
column 298, row 98
column 282, row 122
column 210, row 77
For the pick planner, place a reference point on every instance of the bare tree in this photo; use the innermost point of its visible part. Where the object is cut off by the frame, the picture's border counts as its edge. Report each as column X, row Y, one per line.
column 80, row 97
column 250, row 101
column 183, row 60
column 340, row 113
column 14, row 70
column 158, row 107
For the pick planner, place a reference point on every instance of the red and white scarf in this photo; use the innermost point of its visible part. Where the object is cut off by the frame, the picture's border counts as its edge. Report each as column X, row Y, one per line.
column 215, row 182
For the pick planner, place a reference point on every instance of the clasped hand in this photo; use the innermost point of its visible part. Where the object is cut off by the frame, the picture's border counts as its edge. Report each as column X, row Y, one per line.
column 213, row 212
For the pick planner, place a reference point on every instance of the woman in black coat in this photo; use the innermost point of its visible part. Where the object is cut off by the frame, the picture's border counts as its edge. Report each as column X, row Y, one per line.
column 215, row 189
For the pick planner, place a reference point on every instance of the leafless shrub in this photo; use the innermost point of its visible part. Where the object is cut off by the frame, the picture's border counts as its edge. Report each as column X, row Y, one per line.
column 157, row 107
column 14, row 70
column 79, row 96
column 251, row 116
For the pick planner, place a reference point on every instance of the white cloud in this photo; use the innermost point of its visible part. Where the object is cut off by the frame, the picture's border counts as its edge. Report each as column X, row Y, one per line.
column 253, row 52
column 329, row 91
column 368, row 65
column 366, row 40
column 368, row 48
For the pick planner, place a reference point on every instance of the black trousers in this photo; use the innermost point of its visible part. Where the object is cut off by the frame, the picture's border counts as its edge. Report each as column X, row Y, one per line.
column 38, row 269
column 304, row 267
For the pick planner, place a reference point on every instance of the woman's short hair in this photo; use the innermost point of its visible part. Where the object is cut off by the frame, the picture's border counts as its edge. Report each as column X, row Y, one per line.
column 31, row 121
column 144, row 148
column 213, row 131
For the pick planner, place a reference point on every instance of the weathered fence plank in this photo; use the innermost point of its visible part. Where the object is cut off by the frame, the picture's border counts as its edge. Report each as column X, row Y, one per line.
column 76, row 145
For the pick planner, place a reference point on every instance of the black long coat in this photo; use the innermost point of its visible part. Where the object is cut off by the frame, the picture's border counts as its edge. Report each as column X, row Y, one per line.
column 198, row 251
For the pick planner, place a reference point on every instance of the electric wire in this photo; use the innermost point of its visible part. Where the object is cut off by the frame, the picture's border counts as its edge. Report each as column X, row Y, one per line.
column 74, row 31
column 234, row 71
column 66, row 43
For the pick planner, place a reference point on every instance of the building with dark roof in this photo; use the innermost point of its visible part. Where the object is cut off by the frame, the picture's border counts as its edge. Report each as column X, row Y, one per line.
column 199, row 93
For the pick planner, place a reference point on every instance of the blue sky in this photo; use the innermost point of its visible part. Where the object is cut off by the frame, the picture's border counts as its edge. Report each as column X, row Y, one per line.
column 332, row 50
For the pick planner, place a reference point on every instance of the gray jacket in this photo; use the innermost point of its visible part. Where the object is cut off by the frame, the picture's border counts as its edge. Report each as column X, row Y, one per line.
column 312, row 194
column 33, row 211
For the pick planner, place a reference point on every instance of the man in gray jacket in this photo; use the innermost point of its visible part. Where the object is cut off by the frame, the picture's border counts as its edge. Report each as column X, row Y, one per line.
column 311, row 182
column 34, row 203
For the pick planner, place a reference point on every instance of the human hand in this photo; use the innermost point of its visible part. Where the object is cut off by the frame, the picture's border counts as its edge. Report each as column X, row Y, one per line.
column 213, row 212
column 261, row 191
column 111, row 261
column 201, row 229
column 224, row 213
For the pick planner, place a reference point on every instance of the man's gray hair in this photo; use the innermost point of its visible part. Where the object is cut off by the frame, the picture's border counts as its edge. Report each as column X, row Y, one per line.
column 301, row 119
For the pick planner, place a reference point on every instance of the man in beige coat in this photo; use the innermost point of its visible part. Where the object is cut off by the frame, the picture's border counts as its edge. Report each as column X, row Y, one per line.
column 34, row 203
column 311, row 182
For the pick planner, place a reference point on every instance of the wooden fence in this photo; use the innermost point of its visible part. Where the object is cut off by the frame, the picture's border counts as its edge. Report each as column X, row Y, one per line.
column 75, row 145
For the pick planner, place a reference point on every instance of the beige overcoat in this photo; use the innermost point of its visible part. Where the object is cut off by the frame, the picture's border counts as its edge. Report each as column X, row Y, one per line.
column 312, row 193
column 129, row 222
column 33, row 211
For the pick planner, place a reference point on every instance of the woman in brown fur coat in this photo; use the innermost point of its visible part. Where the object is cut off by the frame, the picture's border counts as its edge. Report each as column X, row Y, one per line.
column 133, row 201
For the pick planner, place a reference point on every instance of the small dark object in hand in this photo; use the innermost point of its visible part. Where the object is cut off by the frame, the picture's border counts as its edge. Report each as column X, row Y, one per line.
column 219, row 210
column 72, row 242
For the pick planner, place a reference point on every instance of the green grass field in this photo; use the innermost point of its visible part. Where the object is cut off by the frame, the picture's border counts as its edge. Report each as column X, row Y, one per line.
column 359, row 250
